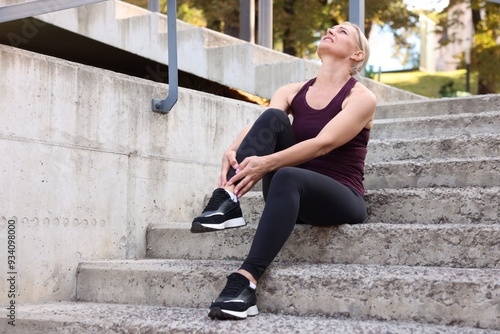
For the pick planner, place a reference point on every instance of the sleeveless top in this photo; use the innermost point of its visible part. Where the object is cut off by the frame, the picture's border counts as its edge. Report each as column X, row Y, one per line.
column 345, row 163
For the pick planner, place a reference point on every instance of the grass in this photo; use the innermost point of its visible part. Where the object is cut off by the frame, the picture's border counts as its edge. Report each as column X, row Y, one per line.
column 428, row 84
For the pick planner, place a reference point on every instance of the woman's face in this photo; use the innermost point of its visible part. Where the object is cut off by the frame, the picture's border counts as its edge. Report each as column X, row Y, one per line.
column 342, row 38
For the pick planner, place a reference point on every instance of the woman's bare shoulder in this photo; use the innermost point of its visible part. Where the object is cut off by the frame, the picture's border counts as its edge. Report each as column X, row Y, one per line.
column 361, row 91
column 294, row 87
column 283, row 97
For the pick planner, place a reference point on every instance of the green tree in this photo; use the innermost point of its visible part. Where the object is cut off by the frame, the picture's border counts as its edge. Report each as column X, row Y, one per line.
column 219, row 15
column 485, row 53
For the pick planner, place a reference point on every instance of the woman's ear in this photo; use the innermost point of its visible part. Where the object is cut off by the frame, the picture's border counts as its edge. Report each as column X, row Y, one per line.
column 358, row 55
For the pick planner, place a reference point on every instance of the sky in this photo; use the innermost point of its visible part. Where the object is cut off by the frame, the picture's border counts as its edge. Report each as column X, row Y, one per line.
column 435, row 5
column 381, row 49
column 382, row 42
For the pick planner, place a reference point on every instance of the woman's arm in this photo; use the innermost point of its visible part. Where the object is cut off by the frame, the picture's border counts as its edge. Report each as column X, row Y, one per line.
column 282, row 98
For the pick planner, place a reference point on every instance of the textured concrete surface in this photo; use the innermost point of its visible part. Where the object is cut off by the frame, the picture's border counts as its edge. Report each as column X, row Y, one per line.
column 467, row 297
column 473, row 104
column 87, row 318
column 447, row 245
column 458, row 146
column 474, row 172
column 431, row 126
column 470, row 205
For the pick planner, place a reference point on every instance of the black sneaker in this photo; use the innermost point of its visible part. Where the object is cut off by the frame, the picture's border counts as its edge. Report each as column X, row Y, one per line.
column 221, row 212
column 236, row 301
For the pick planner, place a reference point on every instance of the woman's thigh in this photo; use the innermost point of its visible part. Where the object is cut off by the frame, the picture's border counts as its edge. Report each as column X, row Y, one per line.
column 323, row 201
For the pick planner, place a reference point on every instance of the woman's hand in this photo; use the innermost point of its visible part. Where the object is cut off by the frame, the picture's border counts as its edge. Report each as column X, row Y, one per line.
column 228, row 161
column 248, row 172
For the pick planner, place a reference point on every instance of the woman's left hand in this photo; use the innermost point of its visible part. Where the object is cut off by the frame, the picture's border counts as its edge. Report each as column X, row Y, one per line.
column 249, row 172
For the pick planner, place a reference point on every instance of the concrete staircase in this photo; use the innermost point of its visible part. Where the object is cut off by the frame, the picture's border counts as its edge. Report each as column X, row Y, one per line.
column 426, row 261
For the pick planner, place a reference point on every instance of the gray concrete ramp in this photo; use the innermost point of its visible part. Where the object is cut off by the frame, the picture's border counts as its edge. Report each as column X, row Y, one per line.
column 201, row 52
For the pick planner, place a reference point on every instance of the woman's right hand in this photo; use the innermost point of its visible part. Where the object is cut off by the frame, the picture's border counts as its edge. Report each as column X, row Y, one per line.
column 228, row 161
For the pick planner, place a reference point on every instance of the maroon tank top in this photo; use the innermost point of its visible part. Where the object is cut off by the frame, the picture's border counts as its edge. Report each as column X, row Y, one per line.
column 346, row 163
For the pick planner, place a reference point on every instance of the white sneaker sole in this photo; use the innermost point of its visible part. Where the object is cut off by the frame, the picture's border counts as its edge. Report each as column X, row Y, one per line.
column 235, row 222
column 250, row 312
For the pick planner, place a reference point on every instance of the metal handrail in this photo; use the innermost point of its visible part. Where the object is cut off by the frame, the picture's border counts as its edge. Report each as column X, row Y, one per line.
column 164, row 106
column 39, row 7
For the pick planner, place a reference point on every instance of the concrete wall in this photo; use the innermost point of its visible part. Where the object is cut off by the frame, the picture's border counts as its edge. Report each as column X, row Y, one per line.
column 86, row 165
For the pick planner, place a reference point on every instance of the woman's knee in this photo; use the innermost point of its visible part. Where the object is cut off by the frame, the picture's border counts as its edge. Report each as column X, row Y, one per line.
column 274, row 118
column 281, row 179
column 285, row 177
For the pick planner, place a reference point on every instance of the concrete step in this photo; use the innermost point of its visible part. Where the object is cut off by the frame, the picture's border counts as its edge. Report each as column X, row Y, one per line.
column 436, row 126
column 444, row 296
column 429, row 205
column 471, row 205
column 435, row 107
column 461, row 146
column 83, row 318
column 474, row 172
column 448, row 245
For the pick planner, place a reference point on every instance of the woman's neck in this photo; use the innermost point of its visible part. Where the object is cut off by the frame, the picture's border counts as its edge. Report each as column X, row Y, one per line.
column 331, row 73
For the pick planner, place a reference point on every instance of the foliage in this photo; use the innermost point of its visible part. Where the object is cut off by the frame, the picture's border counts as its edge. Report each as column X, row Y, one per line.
column 299, row 24
column 485, row 52
column 448, row 90
column 193, row 15
column 140, row 3
column 370, row 72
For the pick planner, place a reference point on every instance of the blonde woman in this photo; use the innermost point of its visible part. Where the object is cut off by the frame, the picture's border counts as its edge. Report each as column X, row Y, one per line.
column 311, row 169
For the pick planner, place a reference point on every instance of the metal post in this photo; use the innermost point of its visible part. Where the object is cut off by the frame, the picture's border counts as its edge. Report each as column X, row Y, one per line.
column 39, row 7
column 247, row 20
column 357, row 16
column 467, row 67
column 357, row 13
column 265, row 35
column 154, row 5
column 164, row 106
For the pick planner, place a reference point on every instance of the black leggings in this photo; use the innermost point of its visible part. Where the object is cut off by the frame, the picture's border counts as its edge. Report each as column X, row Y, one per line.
column 292, row 194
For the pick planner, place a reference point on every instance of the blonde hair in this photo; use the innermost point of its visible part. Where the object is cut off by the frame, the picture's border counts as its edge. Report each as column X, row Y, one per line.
column 363, row 45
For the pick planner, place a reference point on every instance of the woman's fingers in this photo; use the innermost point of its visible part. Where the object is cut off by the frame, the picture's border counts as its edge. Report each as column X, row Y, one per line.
column 249, row 172
column 241, row 189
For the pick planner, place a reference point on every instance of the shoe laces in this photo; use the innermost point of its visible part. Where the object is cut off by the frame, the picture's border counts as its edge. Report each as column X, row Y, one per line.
column 218, row 197
column 235, row 283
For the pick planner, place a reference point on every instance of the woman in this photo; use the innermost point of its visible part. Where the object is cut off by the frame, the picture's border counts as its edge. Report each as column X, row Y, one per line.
column 311, row 170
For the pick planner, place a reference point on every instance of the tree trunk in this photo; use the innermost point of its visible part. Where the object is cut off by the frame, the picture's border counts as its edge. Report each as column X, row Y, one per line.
column 288, row 43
